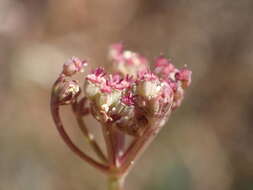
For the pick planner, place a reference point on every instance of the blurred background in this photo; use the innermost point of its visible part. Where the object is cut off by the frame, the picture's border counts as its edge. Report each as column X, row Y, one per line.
column 207, row 143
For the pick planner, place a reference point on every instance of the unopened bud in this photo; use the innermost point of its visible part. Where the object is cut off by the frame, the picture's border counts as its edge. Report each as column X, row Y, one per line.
column 184, row 75
column 73, row 66
column 67, row 91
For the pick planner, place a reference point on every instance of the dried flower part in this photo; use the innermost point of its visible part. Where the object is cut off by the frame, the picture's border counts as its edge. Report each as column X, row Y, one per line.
column 128, row 119
column 67, row 91
column 73, row 66
column 123, row 114
column 134, row 127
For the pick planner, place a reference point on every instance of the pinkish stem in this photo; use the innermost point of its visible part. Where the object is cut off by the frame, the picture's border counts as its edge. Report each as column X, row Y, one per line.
column 89, row 137
column 138, row 146
column 68, row 141
column 110, row 146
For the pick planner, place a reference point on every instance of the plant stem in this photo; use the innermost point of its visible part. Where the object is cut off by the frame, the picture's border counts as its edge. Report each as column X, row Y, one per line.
column 89, row 137
column 138, row 146
column 109, row 144
column 68, row 141
column 115, row 183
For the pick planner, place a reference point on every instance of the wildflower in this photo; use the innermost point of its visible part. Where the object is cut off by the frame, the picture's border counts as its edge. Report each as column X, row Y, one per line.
column 134, row 101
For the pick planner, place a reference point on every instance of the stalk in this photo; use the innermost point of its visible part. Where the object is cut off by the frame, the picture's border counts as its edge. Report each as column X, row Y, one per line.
column 110, row 146
column 115, row 183
column 138, row 146
column 88, row 136
column 57, row 120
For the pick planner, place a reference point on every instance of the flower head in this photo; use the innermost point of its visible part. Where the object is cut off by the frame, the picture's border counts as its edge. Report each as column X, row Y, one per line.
column 133, row 96
column 135, row 100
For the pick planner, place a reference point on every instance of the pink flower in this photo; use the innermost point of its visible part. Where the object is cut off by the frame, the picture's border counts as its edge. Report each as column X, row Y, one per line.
column 114, row 81
column 146, row 76
column 163, row 66
column 134, row 88
column 128, row 99
column 97, row 75
column 117, row 82
column 105, row 88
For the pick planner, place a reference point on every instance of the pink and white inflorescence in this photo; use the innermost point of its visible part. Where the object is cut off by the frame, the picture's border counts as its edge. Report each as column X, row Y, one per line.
column 135, row 95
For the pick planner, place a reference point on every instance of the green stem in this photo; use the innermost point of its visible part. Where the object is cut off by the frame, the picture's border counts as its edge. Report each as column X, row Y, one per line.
column 115, row 183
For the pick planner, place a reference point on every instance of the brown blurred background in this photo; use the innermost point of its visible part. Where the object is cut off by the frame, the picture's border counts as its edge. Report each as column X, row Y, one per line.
column 207, row 143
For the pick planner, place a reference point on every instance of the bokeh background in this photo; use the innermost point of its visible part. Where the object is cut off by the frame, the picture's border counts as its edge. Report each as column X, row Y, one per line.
column 207, row 143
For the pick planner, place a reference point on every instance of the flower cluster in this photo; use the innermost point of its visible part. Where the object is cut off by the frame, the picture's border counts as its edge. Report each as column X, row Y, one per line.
column 135, row 100
column 135, row 95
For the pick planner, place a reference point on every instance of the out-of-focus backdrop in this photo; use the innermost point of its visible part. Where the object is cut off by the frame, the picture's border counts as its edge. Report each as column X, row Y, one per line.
column 207, row 143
